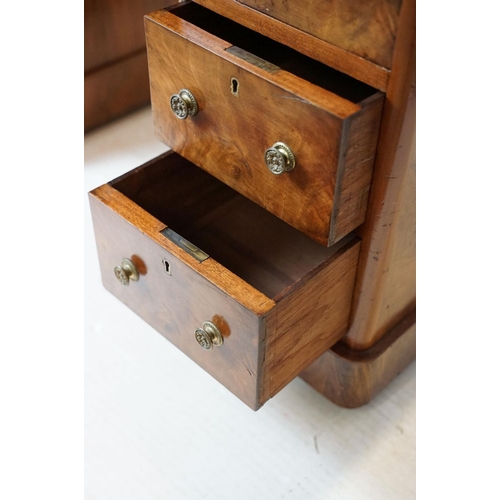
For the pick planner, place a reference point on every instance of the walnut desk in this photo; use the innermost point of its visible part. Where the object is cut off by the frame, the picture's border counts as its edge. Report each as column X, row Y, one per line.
column 278, row 237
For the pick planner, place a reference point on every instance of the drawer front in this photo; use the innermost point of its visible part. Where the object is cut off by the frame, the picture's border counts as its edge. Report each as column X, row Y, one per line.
column 266, row 342
column 367, row 29
column 177, row 304
column 332, row 139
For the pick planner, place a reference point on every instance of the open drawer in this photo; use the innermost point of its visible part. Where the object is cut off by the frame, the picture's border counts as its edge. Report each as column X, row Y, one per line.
column 252, row 108
column 247, row 297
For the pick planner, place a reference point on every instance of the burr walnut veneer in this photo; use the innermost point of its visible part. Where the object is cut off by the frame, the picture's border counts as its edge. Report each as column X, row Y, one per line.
column 310, row 272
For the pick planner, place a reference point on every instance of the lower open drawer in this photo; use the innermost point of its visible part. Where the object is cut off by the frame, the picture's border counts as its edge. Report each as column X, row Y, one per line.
column 249, row 298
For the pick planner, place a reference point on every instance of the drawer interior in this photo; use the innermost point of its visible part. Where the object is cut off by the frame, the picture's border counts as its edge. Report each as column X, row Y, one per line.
column 255, row 245
column 275, row 53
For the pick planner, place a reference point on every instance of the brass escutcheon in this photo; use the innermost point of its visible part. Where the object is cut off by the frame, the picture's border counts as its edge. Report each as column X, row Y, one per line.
column 184, row 104
column 126, row 272
column 279, row 158
column 208, row 336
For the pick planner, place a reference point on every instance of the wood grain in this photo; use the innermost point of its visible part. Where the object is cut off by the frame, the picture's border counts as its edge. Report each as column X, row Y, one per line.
column 359, row 145
column 115, row 62
column 385, row 284
column 114, row 29
column 309, row 319
column 265, row 343
column 115, row 90
column 351, row 378
column 216, row 274
column 381, row 337
column 176, row 305
column 230, row 134
column 316, row 48
column 365, row 28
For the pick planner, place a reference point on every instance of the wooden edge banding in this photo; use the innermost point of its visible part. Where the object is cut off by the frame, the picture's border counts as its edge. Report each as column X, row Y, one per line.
column 351, row 378
column 356, row 158
column 222, row 278
column 351, row 64
column 267, row 327
column 329, row 101
column 343, row 146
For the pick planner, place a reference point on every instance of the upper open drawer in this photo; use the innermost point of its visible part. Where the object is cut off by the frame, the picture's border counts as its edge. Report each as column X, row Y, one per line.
column 287, row 132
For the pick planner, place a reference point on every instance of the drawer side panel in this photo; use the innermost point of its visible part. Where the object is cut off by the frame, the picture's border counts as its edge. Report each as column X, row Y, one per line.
column 361, row 140
column 309, row 319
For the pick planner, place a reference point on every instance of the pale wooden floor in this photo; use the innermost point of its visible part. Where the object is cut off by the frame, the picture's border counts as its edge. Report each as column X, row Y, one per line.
column 158, row 427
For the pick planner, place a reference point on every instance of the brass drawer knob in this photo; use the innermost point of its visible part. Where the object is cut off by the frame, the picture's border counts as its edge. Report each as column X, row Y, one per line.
column 279, row 158
column 184, row 104
column 126, row 272
column 208, row 336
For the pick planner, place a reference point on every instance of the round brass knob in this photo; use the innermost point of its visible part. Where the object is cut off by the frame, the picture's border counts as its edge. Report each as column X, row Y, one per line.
column 184, row 104
column 126, row 272
column 279, row 158
column 208, row 336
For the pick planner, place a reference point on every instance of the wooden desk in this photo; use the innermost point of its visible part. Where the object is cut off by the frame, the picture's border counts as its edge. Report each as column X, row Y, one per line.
column 379, row 340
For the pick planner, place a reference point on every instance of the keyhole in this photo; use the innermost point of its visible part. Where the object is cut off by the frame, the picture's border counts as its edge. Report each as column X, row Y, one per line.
column 234, row 86
column 166, row 265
